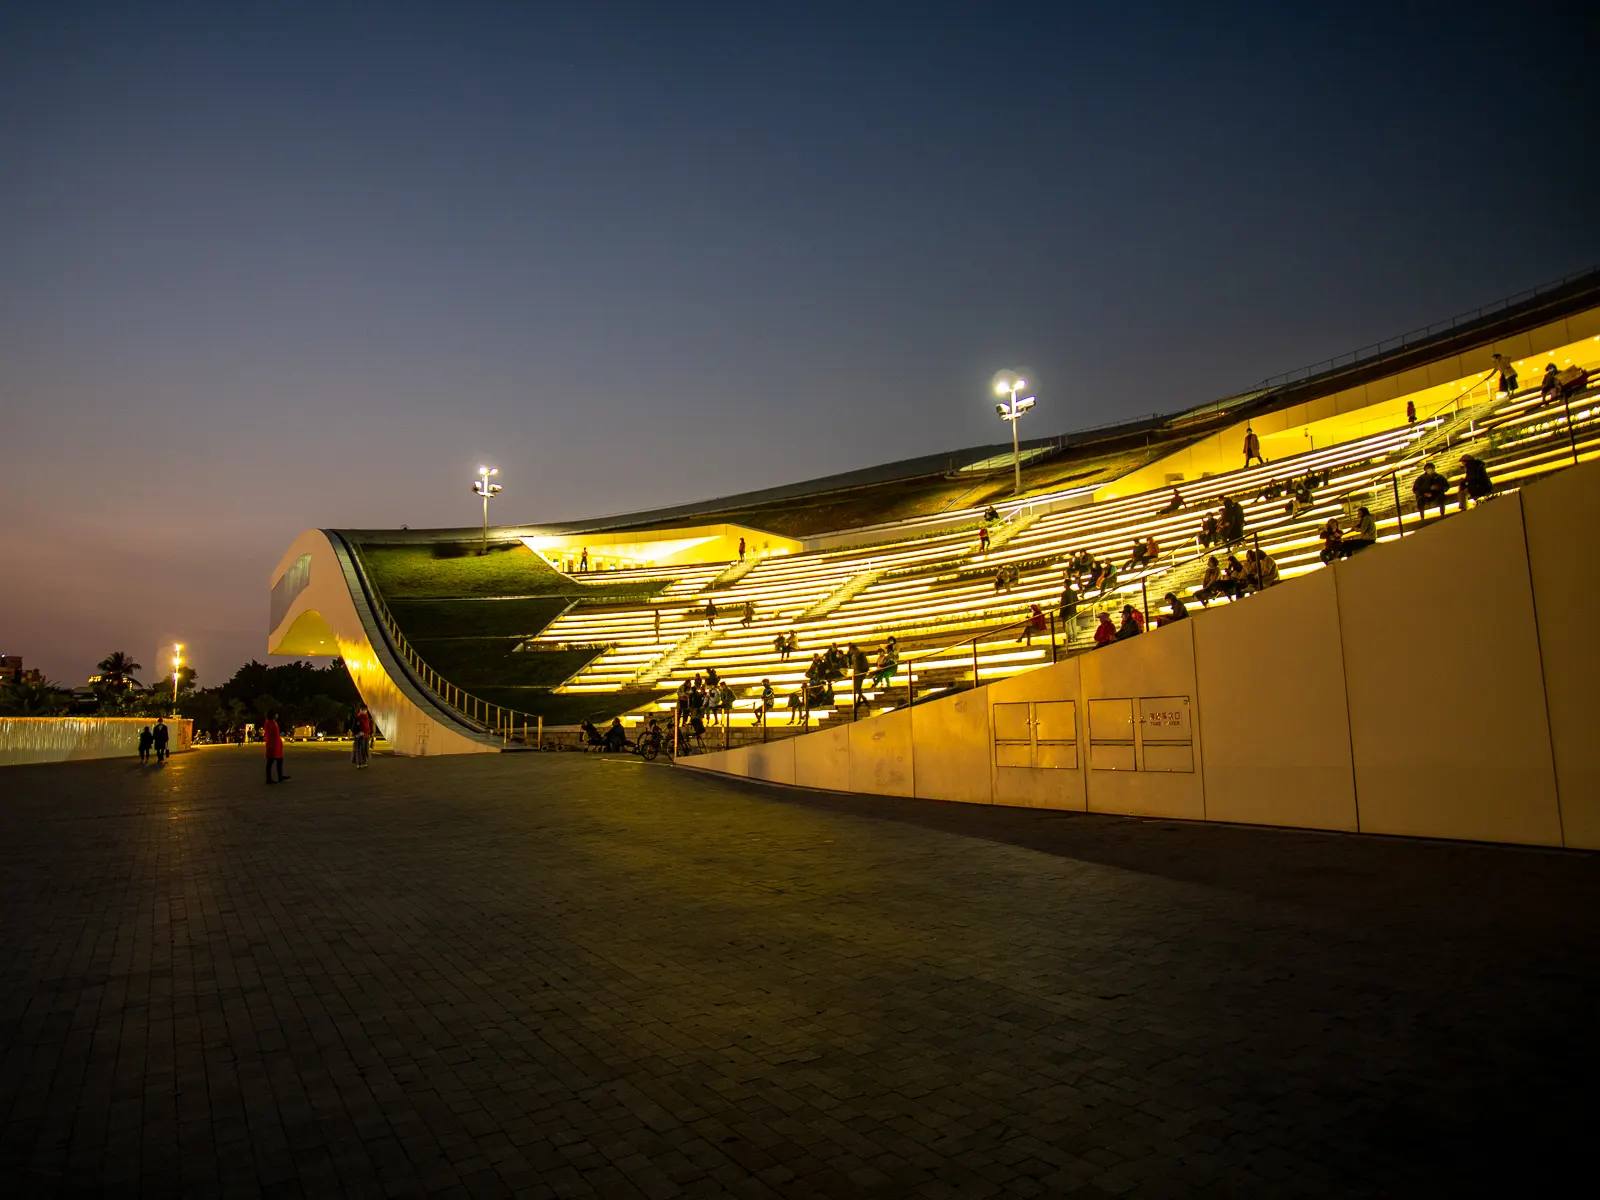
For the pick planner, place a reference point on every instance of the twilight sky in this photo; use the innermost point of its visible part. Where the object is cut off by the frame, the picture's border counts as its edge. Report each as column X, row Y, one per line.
column 278, row 266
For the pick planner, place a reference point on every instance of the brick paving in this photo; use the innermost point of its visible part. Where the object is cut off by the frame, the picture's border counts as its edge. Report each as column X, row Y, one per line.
column 553, row 975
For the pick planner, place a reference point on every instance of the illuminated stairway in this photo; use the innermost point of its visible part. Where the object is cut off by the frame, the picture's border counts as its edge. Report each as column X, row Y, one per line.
column 665, row 664
column 849, row 590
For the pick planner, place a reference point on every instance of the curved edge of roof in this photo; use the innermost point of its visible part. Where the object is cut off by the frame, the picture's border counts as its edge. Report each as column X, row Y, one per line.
column 1488, row 323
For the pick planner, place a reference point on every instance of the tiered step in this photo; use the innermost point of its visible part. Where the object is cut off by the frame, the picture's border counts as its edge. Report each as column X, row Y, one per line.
column 665, row 664
column 851, row 588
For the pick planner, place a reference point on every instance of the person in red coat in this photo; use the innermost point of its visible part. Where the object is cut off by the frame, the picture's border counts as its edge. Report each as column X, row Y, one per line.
column 274, row 738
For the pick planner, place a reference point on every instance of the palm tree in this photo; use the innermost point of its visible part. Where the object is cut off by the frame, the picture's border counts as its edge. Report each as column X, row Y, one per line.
column 117, row 669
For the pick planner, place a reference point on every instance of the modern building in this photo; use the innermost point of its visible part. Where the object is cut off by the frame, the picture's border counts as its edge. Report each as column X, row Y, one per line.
column 1425, row 666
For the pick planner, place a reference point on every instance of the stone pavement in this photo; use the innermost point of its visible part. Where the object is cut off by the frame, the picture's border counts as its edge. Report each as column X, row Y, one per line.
column 557, row 975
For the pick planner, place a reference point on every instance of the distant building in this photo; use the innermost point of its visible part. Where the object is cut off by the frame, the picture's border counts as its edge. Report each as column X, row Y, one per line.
column 12, row 671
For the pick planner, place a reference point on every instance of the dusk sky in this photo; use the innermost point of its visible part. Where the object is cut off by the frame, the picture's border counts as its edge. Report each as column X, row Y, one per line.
column 270, row 267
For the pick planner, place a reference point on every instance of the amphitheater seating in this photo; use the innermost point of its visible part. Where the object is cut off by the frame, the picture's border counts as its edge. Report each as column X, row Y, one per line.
column 932, row 587
column 936, row 594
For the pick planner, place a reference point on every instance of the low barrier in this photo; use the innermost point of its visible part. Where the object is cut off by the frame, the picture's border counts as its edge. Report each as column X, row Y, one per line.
column 60, row 739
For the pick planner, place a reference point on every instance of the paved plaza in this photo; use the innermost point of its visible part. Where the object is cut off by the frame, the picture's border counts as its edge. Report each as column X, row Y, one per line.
column 562, row 975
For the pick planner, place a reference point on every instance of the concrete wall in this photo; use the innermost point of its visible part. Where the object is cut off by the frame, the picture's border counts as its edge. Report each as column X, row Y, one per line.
column 1438, row 686
column 60, row 739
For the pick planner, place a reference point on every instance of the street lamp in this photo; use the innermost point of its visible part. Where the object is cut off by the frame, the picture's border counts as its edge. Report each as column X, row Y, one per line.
column 1007, row 384
column 482, row 487
column 177, row 661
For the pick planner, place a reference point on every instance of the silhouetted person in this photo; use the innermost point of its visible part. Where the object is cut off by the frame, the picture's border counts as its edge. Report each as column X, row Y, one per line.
column 158, row 738
column 1475, row 484
column 583, row 560
column 741, row 549
column 1132, row 623
column 274, row 739
column 1508, row 374
column 1252, row 447
column 1430, row 489
column 146, row 740
column 616, row 736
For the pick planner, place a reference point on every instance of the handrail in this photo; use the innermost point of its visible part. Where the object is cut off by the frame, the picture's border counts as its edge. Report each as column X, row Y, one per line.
column 1405, row 464
column 490, row 718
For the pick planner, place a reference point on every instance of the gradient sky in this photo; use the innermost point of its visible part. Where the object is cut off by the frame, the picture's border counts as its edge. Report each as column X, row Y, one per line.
column 277, row 266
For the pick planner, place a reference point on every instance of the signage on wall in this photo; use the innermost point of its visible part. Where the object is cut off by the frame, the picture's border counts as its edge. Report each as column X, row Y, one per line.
column 1154, row 733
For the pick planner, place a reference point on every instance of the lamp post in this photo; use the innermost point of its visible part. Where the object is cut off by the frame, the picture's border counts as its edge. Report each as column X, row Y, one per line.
column 482, row 487
column 177, row 661
column 1007, row 384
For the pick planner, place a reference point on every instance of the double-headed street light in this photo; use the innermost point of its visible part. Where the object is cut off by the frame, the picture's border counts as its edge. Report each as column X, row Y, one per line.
column 482, row 487
column 1008, row 384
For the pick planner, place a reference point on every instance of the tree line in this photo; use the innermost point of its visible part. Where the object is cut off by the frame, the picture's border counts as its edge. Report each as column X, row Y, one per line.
column 301, row 694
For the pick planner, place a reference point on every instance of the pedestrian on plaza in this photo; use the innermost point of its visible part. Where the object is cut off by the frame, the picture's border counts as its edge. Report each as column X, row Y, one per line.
column 1411, row 412
column 983, row 539
column 363, row 739
column 781, row 646
column 711, row 613
column 741, row 549
column 158, row 738
column 749, row 614
column 146, row 740
column 583, row 560
column 769, row 700
column 274, row 739
column 656, row 612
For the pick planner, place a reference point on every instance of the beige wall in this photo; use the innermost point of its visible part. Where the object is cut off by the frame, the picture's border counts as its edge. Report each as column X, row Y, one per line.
column 1560, row 517
column 62, row 739
column 1159, row 664
column 821, row 759
column 1400, row 692
column 950, row 744
column 1037, row 788
column 1447, row 715
column 323, row 620
column 1277, row 733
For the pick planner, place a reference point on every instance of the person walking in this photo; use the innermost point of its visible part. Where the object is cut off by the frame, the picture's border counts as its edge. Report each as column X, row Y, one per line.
column 158, row 738
column 1252, row 447
column 741, row 549
column 274, row 740
column 363, row 730
column 583, row 560
column 146, row 740
column 1508, row 375
column 656, row 612
column 983, row 539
